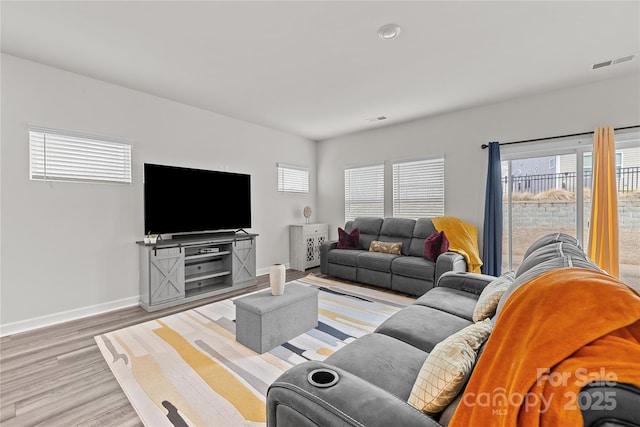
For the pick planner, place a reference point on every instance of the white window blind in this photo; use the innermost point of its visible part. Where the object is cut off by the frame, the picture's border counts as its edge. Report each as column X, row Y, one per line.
column 62, row 156
column 364, row 192
column 418, row 188
column 293, row 179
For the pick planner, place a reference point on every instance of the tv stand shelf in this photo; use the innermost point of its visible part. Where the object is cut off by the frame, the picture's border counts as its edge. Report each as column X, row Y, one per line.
column 196, row 277
column 184, row 269
column 206, row 255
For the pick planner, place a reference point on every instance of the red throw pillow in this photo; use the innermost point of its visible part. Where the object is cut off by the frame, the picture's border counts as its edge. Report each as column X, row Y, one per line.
column 348, row 240
column 435, row 245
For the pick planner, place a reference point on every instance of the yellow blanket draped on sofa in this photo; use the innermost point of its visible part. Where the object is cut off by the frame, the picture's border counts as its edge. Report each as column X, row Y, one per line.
column 555, row 334
column 463, row 239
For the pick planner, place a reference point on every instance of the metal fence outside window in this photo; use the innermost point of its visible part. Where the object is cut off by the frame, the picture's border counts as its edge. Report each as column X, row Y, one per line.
column 628, row 180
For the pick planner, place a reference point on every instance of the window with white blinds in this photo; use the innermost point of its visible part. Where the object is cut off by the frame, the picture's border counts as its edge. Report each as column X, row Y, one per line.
column 293, row 179
column 62, row 156
column 364, row 192
column 418, row 188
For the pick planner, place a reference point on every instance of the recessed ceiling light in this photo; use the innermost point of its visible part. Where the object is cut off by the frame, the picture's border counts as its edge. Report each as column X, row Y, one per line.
column 389, row 31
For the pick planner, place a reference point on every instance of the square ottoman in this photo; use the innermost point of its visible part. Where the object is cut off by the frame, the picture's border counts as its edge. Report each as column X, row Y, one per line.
column 265, row 321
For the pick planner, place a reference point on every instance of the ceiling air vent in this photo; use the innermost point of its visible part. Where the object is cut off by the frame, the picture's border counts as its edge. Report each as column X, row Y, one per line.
column 623, row 59
column 602, row 64
column 615, row 61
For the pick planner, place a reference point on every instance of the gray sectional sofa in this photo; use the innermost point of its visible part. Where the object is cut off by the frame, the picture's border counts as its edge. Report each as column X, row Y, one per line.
column 368, row 382
column 409, row 272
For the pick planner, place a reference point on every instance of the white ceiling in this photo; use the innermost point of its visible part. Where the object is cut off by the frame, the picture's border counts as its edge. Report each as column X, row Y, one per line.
column 317, row 68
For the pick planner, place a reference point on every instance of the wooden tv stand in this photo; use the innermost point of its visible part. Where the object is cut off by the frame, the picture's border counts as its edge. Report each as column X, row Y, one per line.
column 184, row 269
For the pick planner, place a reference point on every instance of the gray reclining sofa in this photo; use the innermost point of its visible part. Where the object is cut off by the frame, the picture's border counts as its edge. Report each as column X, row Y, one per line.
column 409, row 272
column 368, row 382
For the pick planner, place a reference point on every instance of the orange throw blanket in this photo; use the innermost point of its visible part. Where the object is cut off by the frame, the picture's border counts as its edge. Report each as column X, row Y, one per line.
column 463, row 239
column 556, row 333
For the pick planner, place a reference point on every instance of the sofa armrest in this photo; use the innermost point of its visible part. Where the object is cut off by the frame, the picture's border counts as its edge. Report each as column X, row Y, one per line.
column 449, row 261
column 293, row 402
column 469, row 282
column 324, row 251
column 609, row 404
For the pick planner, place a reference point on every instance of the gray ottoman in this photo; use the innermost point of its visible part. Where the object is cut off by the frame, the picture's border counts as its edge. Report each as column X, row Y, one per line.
column 264, row 321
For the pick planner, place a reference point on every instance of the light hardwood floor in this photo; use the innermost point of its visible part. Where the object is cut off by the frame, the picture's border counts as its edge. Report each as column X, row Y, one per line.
column 56, row 376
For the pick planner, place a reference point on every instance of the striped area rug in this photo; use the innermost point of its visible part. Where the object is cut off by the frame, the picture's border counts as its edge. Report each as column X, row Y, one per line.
column 187, row 368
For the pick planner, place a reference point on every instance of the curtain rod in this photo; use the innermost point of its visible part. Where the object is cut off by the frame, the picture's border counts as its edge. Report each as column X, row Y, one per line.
column 558, row 137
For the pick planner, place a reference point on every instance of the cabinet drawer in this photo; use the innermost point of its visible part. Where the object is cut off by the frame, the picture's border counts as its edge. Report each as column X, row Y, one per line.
column 203, row 267
column 316, row 229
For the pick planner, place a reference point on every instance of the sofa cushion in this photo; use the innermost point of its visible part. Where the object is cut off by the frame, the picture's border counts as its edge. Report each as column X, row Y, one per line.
column 410, row 285
column 422, row 327
column 344, row 256
column 394, row 248
column 369, row 229
column 379, row 279
column 411, row 266
column 548, row 239
column 348, row 240
column 398, row 230
column 435, row 245
column 490, row 296
column 423, row 229
column 453, row 301
column 377, row 261
column 550, row 251
column 401, row 227
column 383, row 361
column 447, row 368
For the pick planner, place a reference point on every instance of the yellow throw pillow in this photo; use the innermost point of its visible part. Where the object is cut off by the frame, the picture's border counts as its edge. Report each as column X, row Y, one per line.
column 386, row 247
column 490, row 296
column 447, row 368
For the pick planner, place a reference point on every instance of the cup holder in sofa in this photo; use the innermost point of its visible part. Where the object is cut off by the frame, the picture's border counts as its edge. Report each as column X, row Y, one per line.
column 323, row 378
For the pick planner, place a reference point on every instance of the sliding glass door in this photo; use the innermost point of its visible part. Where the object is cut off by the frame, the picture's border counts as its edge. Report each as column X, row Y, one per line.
column 540, row 198
column 547, row 189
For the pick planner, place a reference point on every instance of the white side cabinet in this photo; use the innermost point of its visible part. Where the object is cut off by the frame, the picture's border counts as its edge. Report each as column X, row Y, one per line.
column 304, row 244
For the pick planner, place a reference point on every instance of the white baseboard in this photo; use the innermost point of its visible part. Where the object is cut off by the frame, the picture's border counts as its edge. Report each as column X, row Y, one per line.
column 265, row 270
column 65, row 316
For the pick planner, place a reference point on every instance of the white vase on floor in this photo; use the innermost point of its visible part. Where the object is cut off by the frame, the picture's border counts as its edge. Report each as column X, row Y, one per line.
column 277, row 275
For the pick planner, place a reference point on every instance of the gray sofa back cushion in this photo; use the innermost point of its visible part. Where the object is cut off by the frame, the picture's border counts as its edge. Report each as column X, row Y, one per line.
column 398, row 230
column 423, row 229
column 549, row 239
column 369, row 229
column 550, row 251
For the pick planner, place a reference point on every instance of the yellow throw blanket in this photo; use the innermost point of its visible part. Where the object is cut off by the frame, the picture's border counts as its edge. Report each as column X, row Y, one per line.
column 463, row 239
column 556, row 333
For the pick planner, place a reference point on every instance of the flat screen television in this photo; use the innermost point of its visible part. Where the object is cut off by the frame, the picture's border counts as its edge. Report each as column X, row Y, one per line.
column 182, row 200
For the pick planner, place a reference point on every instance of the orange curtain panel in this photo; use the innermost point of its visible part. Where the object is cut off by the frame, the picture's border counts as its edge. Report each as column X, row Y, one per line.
column 603, row 227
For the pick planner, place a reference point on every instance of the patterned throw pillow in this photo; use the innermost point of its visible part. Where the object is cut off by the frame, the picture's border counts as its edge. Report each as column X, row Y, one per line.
column 348, row 240
column 447, row 368
column 386, row 247
column 490, row 296
column 435, row 245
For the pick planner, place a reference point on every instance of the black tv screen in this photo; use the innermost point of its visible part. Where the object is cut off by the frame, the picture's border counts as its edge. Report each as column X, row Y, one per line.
column 183, row 200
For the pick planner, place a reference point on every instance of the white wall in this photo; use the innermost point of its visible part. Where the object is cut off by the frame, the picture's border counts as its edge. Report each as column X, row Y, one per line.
column 68, row 249
column 458, row 135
